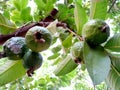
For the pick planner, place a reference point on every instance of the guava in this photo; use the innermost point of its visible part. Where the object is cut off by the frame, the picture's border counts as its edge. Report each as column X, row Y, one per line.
column 38, row 38
column 95, row 32
column 77, row 51
column 32, row 61
column 15, row 48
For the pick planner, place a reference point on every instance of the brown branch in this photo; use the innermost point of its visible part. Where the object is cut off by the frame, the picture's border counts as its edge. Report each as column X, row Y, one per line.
column 22, row 30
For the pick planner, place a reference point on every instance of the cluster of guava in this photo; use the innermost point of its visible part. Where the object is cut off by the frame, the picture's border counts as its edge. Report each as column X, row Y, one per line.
column 95, row 32
column 28, row 48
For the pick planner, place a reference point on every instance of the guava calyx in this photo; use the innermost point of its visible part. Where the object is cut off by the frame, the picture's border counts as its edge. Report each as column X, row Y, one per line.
column 39, row 38
column 95, row 32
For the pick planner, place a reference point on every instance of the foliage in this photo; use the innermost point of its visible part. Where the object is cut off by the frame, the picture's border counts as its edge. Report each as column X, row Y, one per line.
column 65, row 22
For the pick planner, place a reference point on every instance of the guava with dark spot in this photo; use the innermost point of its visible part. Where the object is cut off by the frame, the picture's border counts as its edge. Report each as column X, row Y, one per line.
column 38, row 38
column 95, row 32
column 15, row 48
column 32, row 61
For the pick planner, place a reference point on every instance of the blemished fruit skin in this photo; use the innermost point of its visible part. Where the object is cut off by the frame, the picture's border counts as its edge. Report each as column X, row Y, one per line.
column 15, row 48
column 77, row 51
column 38, row 38
column 95, row 32
column 32, row 60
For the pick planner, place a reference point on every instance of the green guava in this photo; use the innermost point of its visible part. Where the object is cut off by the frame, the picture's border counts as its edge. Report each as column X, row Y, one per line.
column 32, row 61
column 15, row 48
column 38, row 38
column 77, row 51
column 95, row 32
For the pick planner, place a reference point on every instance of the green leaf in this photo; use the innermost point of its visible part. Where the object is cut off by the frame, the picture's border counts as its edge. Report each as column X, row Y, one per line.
column 49, row 5
column 16, row 16
column 116, row 63
column 16, row 3
column 54, row 56
column 65, row 66
column 56, row 49
column 113, row 54
column 10, row 71
column 97, row 63
column 40, row 4
column 25, row 14
column 63, row 12
column 63, row 36
column 57, row 60
column 6, row 26
column 68, row 41
column 23, row 3
column 69, row 1
column 98, row 9
column 80, row 17
column 20, row 4
column 113, row 79
column 113, row 44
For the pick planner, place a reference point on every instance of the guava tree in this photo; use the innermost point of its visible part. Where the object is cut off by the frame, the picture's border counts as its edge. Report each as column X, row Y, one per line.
column 65, row 41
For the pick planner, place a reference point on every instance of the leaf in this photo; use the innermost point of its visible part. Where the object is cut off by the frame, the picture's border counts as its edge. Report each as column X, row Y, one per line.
column 40, row 4
column 116, row 63
column 49, row 5
column 65, row 66
column 68, row 41
column 16, row 3
column 52, row 26
column 56, row 49
column 57, row 60
column 54, row 56
column 113, row 44
column 20, row 4
column 63, row 36
column 98, row 9
column 25, row 14
column 23, row 3
column 10, row 71
column 6, row 26
column 113, row 79
column 63, row 12
column 113, row 54
column 16, row 16
column 80, row 17
column 97, row 63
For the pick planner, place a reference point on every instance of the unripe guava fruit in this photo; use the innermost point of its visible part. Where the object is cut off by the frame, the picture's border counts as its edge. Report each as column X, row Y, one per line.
column 15, row 48
column 77, row 51
column 38, row 38
column 95, row 32
column 32, row 61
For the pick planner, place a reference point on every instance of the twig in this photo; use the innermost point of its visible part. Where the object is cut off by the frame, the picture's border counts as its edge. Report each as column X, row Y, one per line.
column 80, row 38
column 111, row 6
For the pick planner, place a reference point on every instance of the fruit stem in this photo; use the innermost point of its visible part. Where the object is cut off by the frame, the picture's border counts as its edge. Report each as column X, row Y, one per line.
column 80, row 37
column 30, row 72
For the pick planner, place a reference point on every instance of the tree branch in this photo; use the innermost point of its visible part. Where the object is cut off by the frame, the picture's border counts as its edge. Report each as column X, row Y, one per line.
column 111, row 6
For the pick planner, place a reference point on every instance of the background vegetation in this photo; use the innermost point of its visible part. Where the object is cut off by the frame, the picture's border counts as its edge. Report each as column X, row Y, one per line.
column 67, row 19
